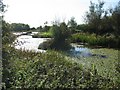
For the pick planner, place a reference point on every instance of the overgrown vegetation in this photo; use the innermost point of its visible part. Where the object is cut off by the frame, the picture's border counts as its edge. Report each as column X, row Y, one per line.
column 60, row 40
column 52, row 70
column 101, row 21
column 43, row 35
column 20, row 27
column 27, row 70
column 109, row 41
column 102, row 26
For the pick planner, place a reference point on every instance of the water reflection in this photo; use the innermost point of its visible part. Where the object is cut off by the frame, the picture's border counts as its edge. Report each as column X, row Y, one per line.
column 26, row 42
column 80, row 51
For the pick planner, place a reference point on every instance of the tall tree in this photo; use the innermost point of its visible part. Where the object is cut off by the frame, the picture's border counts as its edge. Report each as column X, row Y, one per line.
column 2, row 7
column 106, row 23
column 40, row 28
column 72, row 24
column 60, row 34
column 94, row 16
column 46, row 28
column 20, row 27
column 7, row 38
column 116, row 20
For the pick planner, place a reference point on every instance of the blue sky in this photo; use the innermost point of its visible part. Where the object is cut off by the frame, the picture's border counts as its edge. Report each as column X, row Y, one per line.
column 36, row 12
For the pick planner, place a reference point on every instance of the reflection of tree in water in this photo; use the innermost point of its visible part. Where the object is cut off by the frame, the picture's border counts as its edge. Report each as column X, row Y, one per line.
column 81, row 51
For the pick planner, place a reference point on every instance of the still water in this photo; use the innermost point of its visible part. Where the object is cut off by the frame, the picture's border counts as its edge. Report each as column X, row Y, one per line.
column 79, row 51
column 26, row 42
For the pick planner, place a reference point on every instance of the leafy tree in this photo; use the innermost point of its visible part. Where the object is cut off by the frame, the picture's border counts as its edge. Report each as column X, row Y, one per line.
column 46, row 28
column 94, row 16
column 106, row 24
column 40, row 28
column 7, row 38
column 55, row 30
column 2, row 7
column 33, row 28
column 20, row 27
column 116, row 20
column 72, row 24
column 82, row 27
column 60, row 35
column 102, row 21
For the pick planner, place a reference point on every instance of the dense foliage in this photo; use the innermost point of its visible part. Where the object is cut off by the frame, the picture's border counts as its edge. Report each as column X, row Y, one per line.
column 60, row 36
column 7, row 38
column 20, row 27
column 27, row 70
column 52, row 70
column 101, row 28
column 43, row 35
column 72, row 24
column 109, row 41
column 101, row 21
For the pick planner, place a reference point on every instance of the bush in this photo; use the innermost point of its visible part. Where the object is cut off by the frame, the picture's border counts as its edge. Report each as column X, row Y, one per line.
column 46, row 45
column 92, row 40
column 60, row 38
column 7, row 39
column 51, row 70
column 42, row 35
column 56, row 45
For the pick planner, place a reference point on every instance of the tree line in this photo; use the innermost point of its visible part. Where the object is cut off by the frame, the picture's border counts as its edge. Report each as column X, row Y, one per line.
column 100, row 21
column 97, row 20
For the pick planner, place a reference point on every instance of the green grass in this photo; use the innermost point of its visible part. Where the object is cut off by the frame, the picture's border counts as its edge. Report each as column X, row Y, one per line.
column 105, row 66
column 95, row 41
column 54, row 69
column 42, row 35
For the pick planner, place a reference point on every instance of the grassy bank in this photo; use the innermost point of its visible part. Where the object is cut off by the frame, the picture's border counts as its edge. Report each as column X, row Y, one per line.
column 43, row 35
column 54, row 70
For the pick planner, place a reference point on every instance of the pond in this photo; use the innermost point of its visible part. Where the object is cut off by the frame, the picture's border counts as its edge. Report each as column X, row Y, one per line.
column 79, row 51
column 82, row 51
column 26, row 42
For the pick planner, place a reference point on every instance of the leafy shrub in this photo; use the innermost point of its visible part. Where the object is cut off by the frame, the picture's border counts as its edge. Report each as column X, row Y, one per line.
column 43, row 35
column 51, row 70
column 36, row 36
column 45, row 45
column 7, row 39
column 56, row 45
column 60, row 38
column 92, row 40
